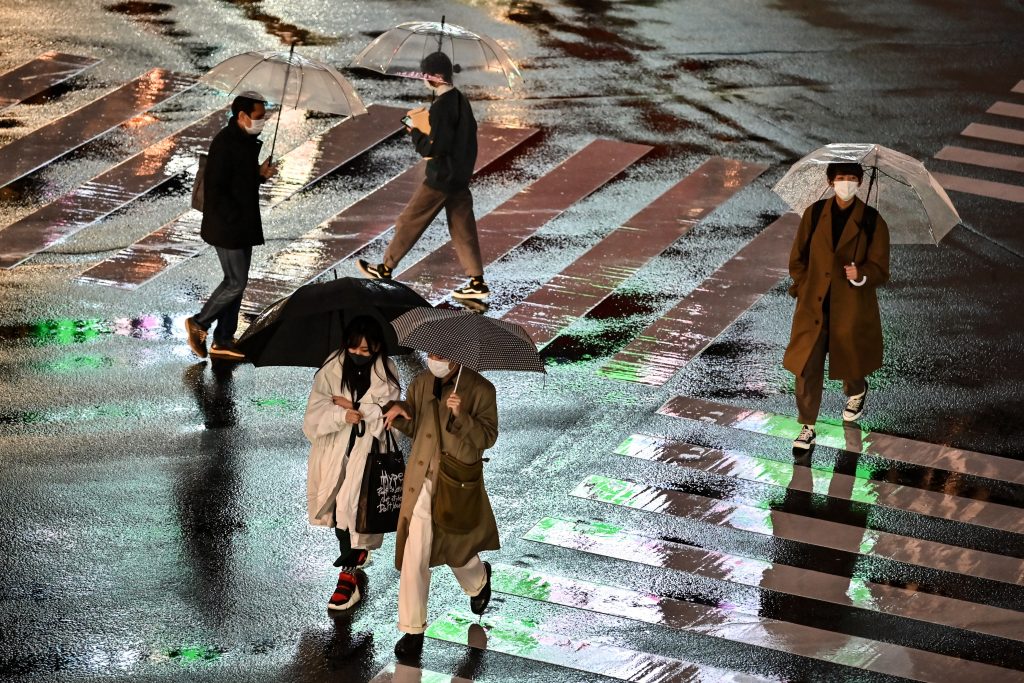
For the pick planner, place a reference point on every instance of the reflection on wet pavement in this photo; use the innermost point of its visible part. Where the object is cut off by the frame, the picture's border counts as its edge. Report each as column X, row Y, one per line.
column 742, row 626
column 355, row 226
column 593, row 276
column 35, row 76
column 303, row 166
column 531, row 639
column 671, row 342
column 512, row 223
column 609, row 540
column 864, row 487
column 57, row 138
column 108, row 192
column 802, row 528
column 400, row 673
column 930, row 455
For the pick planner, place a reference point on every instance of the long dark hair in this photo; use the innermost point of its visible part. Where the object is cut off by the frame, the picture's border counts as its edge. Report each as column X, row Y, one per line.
column 357, row 330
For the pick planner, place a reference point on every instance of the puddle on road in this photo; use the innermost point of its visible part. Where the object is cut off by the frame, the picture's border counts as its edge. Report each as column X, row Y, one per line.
column 68, row 331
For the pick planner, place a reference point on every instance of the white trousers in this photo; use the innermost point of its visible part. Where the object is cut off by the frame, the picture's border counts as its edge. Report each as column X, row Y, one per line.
column 414, row 582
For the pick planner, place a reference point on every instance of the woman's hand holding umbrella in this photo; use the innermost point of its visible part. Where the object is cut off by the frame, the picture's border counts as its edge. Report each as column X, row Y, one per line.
column 454, row 404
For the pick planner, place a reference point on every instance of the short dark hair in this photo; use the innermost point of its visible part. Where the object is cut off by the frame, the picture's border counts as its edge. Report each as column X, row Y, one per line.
column 437, row 64
column 844, row 168
column 246, row 104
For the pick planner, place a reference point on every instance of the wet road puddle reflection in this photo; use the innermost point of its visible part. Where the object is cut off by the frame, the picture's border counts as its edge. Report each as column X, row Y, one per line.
column 35, row 76
column 357, row 225
column 803, row 529
column 862, row 488
column 109, row 191
column 298, row 169
column 512, row 223
column 594, row 275
column 609, row 540
column 400, row 673
column 68, row 331
column 52, row 141
column 742, row 626
column 537, row 640
column 675, row 339
column 854, row 440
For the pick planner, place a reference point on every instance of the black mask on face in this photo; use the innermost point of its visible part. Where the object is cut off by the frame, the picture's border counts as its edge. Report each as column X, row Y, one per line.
column 360, row 360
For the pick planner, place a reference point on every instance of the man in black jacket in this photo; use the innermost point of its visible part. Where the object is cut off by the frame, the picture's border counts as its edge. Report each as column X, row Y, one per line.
column 231, row 222
column 449, row 145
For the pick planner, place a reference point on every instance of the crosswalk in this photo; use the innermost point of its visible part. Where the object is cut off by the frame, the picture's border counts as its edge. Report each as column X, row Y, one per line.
column 36, row 75
column 775, row 532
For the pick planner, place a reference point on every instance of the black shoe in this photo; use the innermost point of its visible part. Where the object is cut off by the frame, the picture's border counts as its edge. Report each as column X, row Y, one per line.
column 226, row 351
column 374, row 272
column 478, row 603
column 476, row 288
column 805, row 439
column 196, row 337
column 855, row 407
column 409, row 647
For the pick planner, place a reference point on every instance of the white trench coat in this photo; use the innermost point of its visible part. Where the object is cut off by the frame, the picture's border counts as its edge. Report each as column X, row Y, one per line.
column 325, row 427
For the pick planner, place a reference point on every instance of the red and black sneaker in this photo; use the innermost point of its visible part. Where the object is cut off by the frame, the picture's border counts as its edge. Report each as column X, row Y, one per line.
column 357, row 557
column 346, row 594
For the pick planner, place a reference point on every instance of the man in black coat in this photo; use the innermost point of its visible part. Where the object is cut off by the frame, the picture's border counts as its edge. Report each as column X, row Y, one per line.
column 231, row 222
column 448, row 143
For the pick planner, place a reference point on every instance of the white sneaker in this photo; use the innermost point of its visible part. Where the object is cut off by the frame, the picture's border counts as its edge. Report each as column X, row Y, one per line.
column 805, row 439
column 854, row 407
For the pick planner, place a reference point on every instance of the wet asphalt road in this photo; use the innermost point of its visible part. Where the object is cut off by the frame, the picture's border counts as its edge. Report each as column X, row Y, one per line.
column 153, row 507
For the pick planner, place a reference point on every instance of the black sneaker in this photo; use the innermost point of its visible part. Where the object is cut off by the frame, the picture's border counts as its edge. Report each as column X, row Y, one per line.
column 358, row 559
column 478, row 603
column 226, row 351
column 374, row 272
column 855, row 407
column 409, row 647
column 805, row 439
column 476, row 288
column 196, row 337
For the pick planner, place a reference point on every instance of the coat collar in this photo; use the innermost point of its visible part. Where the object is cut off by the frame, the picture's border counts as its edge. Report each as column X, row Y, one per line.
column 850, row 230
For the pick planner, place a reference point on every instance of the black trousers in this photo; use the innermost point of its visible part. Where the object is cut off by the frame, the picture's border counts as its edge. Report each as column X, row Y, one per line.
column 226, row 301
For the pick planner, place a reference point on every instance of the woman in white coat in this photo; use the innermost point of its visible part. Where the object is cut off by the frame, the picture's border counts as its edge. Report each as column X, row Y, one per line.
column 343, row 416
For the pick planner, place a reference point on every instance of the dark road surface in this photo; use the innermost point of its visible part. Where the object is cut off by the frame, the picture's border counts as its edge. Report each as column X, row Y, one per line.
column 654, row 523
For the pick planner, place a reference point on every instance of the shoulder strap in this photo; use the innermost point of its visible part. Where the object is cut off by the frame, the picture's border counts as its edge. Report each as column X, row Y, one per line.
column 816, row 210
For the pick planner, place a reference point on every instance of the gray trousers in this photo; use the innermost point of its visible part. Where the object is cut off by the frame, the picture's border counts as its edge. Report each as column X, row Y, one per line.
column 811, row 381
column 226, row 301
column 421, row 210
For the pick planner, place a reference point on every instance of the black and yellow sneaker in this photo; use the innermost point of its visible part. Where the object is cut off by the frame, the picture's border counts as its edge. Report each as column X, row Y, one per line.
column 476, row 289
column 374, row 272
column 226, row 351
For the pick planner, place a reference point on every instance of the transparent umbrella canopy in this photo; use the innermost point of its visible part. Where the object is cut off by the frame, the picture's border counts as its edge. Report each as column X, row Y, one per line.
column 478, row 59
column 913, row 204
column 289, row 78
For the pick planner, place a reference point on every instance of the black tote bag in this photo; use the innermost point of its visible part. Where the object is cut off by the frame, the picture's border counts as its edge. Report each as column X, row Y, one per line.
column 380, row 495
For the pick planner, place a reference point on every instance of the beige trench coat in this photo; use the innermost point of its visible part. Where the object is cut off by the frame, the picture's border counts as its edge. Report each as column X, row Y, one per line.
column 466, row 437
column 855, row 326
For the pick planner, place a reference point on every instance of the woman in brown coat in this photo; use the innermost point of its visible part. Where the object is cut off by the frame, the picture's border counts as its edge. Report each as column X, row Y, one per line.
column 443, row 423
column 836, row 265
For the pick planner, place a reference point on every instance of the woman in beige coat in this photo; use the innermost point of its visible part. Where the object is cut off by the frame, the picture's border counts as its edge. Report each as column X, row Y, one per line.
column 343, row 416
column 836, row 265
column 462, row 425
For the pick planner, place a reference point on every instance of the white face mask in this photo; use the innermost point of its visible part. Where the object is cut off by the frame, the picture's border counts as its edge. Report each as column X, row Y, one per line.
column 846, row 189
column 256, row 126
column 439, row 368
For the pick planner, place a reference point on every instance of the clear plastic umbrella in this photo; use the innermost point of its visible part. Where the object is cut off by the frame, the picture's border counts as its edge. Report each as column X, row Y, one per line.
column 478, row 59
column 913, row 204
column 293, row 80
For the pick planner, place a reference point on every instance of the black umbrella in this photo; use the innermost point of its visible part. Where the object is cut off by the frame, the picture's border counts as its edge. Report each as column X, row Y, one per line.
column 306, row 327
column 471, row 340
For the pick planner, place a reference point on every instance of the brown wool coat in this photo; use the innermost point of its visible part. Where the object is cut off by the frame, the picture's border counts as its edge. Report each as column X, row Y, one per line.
column 466, row 438
column 855, row 327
